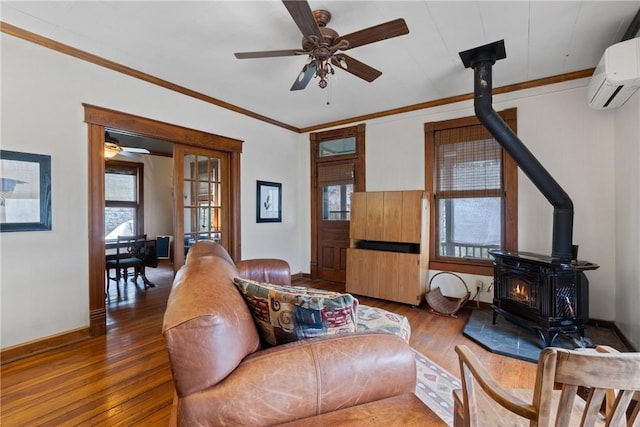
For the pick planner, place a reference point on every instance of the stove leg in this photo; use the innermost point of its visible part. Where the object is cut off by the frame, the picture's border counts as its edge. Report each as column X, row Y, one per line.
column 495, row 316
column 548, row 338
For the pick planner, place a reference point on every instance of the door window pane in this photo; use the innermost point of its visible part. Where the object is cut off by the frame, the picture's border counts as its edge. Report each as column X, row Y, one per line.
column 202, row 199
column 336, row 202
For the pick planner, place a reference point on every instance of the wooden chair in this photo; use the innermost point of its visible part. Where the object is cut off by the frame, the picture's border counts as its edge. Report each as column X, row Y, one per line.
column 131, row 252
column 555, row 401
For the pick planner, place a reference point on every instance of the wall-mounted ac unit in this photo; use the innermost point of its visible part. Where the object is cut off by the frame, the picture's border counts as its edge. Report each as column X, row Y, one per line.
column 617, row 75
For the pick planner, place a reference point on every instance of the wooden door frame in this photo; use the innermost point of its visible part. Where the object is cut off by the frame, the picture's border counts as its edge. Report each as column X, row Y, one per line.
column 97, row 118
column 359, row 177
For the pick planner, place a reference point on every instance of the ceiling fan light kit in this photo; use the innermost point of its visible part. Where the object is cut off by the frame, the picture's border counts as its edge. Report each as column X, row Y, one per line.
column 322, row 45
column 110, row 150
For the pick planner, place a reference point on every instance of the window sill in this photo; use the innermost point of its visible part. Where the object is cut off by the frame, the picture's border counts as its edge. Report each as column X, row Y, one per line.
column 481, row 268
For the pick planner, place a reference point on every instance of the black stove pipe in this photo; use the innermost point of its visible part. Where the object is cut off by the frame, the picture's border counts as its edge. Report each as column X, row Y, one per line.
column 481, row 59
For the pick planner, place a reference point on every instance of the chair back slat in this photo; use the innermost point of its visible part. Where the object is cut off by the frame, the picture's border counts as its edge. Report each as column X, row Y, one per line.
column 131, row 246
column 618, row 412
column 564, row 411
column 591, row 412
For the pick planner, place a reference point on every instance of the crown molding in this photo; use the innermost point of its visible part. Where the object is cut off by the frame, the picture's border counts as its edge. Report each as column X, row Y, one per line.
column 94, row 59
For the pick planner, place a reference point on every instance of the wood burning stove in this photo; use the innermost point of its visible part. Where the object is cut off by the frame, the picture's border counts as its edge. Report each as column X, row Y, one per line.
column 548, row 294
column 541, row 293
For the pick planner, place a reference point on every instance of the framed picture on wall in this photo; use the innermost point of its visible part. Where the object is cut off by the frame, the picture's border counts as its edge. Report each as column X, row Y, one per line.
column 268, row 202
column 25, row 191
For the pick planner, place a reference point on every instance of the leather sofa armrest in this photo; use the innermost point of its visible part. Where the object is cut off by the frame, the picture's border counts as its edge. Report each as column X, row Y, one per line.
column 267, row 270
column 306, row 378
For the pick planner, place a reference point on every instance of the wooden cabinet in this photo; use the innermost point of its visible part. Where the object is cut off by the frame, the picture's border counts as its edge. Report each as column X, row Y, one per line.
column 395, row 224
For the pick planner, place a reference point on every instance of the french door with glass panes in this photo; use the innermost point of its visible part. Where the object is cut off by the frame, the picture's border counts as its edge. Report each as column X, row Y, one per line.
column 201, row 198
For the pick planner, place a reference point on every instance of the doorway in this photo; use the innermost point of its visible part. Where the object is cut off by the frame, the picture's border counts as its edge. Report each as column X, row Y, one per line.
column 98, row 119
column 337, row 170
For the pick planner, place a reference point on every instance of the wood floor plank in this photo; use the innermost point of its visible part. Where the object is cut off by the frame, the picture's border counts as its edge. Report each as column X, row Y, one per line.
column 124, row 378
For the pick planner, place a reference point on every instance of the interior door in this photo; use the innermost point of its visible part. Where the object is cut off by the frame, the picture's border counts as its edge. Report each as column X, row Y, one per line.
column 201, row 198
column 335, row 186
column 338, row 170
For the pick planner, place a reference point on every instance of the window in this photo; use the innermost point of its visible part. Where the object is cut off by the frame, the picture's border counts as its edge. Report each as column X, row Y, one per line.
column 123, row 214
column 473, row 183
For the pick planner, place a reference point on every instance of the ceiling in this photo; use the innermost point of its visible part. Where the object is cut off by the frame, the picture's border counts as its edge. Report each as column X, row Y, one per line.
column 192, row 44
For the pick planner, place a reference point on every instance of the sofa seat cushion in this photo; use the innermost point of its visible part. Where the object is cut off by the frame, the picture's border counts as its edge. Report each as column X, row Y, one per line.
column 401, row 410
column 290, row 313
column 373, row 319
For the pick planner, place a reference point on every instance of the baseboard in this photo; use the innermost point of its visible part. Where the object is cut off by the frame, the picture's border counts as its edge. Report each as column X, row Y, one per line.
column 299, row 276
column 612, row 325
column 31, row 348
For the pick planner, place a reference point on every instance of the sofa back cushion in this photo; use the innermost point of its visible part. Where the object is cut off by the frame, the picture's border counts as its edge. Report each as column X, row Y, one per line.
column 290, row 313
column 207, row 326
column 208, row 248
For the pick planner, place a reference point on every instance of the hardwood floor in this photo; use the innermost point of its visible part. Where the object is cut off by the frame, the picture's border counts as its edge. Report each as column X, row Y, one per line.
column 124, row 378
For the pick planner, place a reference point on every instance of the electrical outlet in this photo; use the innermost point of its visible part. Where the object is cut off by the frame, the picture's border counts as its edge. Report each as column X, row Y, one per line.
column 479, row 284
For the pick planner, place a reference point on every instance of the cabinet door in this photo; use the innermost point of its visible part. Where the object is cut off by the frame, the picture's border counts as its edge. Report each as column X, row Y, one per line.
column 375, row 215
column 413, row 210
column 409, row 287
column 357, row 272
column 358, row 225
column 393, row 216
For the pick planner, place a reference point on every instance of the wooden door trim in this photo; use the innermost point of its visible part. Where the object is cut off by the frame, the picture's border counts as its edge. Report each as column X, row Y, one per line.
column 359, row 177
column 160, row 130
column 97, row 118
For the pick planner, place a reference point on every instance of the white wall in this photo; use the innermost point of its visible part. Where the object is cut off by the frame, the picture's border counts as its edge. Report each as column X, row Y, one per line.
column 627, row 190
column 158, row 195
column 44, row 275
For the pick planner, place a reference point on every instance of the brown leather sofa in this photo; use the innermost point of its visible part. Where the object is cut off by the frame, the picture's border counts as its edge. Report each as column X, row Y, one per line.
column 222, row 376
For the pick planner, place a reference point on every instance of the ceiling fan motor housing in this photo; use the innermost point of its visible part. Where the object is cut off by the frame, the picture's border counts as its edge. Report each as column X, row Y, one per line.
column 328, row 36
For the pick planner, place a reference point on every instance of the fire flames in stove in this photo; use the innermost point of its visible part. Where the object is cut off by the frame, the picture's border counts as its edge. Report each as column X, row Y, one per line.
column 519, row 291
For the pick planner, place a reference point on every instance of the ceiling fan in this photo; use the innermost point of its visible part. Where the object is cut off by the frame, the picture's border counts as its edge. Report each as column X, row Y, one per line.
column 324, row 46
column 112, row 147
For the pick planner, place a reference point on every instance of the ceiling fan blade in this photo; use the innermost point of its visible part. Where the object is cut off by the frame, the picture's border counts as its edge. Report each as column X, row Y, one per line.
column 305, row 76
column 355, row 67
column 269, row 53
column 302, row 15
column 135, row 150
column 395, row 28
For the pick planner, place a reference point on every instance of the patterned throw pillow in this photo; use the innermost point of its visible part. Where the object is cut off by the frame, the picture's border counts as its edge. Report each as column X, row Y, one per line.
column 290, row 313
